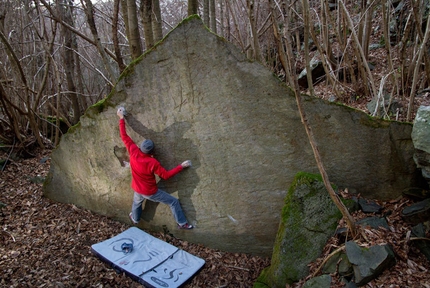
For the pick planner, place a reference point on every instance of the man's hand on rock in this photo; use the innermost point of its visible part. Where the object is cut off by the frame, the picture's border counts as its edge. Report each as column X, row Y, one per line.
column 120, row 112
column 186, row 164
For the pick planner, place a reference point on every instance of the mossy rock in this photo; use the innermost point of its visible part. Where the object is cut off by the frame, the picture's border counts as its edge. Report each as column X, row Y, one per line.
column 309, row 218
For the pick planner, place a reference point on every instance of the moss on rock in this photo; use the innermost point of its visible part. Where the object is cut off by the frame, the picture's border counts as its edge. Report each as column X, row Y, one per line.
column 309, row 217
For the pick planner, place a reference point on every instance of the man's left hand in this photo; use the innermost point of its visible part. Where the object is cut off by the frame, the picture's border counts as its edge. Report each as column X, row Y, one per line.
column 120, row 112
column 186, row 164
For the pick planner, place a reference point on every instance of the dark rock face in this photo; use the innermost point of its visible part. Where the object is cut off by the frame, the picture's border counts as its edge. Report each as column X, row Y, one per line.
column 421, row 140
column 199, row 98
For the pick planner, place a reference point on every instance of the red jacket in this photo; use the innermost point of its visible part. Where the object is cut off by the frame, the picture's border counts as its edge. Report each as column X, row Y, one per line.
column 144, row 166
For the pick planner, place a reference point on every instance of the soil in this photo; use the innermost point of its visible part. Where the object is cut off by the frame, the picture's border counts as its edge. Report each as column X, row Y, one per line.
column 48, row 244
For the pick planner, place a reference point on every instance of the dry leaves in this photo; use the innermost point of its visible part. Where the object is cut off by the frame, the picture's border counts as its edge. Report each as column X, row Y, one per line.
column 47, row 244
column 412, row 267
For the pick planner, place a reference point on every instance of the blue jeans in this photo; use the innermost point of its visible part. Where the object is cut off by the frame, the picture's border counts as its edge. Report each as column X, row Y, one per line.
column 162, row 197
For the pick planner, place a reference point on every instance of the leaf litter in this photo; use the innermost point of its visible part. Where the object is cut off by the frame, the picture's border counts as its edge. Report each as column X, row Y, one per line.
column 48, row 244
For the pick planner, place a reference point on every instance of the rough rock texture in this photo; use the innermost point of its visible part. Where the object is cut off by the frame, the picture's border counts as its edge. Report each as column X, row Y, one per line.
column 199, row 98
column 369, row 262
column 309, row 218
column 421, row 140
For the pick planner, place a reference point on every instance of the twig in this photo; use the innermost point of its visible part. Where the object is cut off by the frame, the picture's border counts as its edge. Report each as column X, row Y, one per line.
column 235, row 267
column 13, row 238
column 419, row 238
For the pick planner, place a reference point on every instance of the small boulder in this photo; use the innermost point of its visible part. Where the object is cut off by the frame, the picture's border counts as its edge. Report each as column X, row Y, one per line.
column 417, row 212
column 369, row 263
column 374, row 222
column 317, row 72
column 416, row 193
column 368, row 206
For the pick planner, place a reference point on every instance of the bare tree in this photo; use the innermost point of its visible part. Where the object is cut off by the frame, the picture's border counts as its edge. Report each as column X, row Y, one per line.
column 115, row 39
column 206, row 16
column 65, row 11
column 253, row 30
column 193, row 7
column 421, row 52
column 24, row 106
column 212, row 13
column 290, row 68
column 307, row 28
column 133, row 23
column 157, row 20
column 146, row 13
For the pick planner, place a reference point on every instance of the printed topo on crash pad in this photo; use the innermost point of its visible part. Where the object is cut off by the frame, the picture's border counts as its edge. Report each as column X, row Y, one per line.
column 148, row 260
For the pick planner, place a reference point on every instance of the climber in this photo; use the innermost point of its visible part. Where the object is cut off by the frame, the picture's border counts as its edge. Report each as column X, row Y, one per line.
column 144, row 167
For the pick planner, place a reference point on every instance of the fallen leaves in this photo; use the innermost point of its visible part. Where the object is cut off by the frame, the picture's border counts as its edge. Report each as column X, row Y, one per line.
column 47, row 244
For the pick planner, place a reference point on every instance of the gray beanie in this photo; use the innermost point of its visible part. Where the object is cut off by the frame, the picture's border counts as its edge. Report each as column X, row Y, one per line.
column 147, row 146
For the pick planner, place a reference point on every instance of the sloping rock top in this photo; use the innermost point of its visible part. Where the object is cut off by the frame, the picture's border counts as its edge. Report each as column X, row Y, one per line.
column 199, row 98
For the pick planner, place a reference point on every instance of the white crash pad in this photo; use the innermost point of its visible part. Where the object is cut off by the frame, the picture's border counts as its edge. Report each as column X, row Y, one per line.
column 152, row 262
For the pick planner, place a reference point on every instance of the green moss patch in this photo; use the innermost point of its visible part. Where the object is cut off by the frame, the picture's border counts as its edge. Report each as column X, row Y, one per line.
column 309, row 217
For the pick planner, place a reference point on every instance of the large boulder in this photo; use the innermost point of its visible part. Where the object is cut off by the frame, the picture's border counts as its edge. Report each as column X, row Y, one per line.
column 309, row 218
column 198, row 97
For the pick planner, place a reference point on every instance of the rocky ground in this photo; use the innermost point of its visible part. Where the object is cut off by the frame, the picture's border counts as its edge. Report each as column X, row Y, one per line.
column 47, row 244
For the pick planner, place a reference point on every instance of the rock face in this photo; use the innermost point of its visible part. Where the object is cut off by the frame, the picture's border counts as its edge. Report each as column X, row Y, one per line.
column 199, row 98
column 421, row 140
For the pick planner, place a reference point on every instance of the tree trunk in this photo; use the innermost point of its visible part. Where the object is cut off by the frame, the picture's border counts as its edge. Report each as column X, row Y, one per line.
column 77, row 32
column 361, row 58
column 21, row 76
column 227, row 32
column 254, row 35
column 221, row 18
column 65, row 12
column 157, row 21
column 89, row 12
column 212, row 13
column 206, row 17
column 307, row 27
column 115, row 39
column 193, row 7
column 419, row 17
column 365, row 40
column 233, row 17
column 146, row 13
column 124, row 9
column 134, row 40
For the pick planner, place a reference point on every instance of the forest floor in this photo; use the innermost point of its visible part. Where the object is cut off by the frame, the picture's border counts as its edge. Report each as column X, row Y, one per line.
column 48, row 244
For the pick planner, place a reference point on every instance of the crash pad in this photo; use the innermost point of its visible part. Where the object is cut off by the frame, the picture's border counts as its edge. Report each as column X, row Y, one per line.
column 147, row 259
